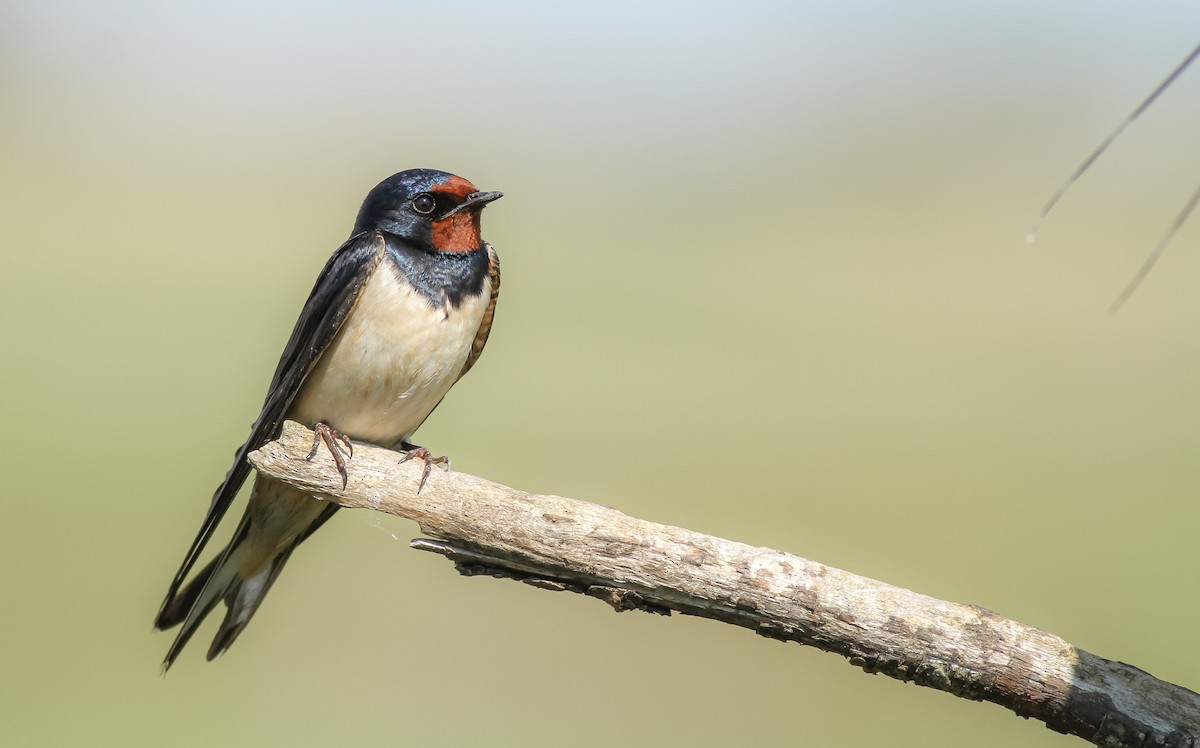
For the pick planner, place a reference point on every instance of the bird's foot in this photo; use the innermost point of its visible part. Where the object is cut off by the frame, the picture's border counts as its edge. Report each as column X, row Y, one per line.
column 413, row 452
column 338, row 444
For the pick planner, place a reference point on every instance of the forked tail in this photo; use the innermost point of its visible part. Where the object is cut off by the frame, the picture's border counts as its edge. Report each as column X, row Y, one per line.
column 220, row 580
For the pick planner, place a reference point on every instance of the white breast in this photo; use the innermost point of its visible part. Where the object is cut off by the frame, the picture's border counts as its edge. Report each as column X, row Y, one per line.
column 391, row 363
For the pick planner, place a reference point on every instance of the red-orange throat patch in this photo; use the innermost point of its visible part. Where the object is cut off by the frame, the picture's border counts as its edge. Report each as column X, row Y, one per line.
column 459, row 232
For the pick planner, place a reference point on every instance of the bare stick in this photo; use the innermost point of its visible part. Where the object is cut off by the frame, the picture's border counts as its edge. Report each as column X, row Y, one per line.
column 1180, row 219
column 1144, row 270
column 563, row 544
column 1100, row 149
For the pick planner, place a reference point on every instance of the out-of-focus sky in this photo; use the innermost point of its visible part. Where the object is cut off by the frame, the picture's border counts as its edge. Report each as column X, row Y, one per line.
column 764, row 278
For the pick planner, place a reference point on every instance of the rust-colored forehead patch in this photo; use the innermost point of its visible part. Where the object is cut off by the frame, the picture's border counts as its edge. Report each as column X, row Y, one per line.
column 455, row 186
column 459, row 232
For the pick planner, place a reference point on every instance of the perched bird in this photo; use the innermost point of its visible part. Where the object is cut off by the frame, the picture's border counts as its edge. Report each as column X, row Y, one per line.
column 399, row 313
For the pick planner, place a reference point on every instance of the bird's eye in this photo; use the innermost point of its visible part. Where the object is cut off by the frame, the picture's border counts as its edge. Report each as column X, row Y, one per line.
column 424, row 203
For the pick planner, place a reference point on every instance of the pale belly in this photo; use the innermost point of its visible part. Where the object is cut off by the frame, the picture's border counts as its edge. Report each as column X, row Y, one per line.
column 390, row 364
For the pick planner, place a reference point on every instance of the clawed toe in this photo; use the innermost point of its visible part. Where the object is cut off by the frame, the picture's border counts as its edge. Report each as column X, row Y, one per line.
column 337, row 442
column 422, row 454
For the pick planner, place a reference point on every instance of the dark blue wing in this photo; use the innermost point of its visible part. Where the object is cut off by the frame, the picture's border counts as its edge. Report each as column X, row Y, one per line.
column 331, row 300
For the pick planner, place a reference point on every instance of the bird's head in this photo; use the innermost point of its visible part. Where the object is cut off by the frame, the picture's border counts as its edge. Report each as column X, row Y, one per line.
column 426, row 208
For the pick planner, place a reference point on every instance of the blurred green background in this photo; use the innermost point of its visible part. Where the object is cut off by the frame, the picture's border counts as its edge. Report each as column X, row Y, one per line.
column 764, row 278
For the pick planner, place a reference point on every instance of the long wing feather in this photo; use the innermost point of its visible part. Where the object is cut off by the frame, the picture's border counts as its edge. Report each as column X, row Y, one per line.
column 328, row 304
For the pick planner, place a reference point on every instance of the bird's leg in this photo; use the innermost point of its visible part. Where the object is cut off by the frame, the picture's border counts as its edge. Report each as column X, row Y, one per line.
column 413, row 452
column 337, row 442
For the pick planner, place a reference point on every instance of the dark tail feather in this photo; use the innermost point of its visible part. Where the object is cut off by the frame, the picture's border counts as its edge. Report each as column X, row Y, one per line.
column 245, row 595
column 218, row 581
column 242, row 600
column 175, row 609
column 197, row 599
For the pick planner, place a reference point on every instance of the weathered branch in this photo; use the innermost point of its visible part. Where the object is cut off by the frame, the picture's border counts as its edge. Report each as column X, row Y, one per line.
column 565, row 544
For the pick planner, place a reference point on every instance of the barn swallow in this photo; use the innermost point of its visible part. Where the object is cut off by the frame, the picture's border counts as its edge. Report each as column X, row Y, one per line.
column 400, row 313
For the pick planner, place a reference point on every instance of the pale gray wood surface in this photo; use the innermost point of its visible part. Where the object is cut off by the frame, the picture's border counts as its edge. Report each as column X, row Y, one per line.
column 559, row 543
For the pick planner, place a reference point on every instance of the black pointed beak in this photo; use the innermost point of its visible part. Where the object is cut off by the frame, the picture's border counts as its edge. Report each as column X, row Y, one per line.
column 473, row 200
